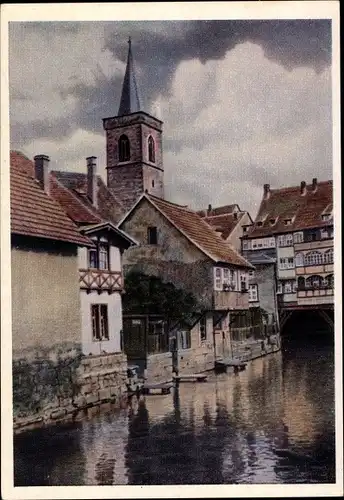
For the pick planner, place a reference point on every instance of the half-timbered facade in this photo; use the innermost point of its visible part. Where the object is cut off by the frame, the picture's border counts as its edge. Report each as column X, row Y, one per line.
column 295, row 226
column 86, row 201
column 46, row 326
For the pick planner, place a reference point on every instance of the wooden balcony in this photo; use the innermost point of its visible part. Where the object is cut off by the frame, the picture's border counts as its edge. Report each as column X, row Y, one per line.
column 100, row 280
column 230, row 300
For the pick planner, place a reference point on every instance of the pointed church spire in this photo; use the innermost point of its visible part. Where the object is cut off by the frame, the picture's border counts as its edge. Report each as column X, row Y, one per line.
column 130, row 102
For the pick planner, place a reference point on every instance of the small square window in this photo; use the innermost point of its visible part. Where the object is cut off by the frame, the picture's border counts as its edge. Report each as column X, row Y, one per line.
column 152, row 236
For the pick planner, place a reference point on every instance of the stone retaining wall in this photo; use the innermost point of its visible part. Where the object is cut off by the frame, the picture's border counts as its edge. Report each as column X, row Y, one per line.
column 196, row 360
column 51, row 385
column 159, row 368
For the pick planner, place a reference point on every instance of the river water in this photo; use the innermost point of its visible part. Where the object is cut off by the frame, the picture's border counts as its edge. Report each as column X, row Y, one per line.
column 226, row 430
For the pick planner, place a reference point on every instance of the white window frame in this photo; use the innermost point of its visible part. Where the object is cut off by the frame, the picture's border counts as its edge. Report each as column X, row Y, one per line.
column 328, row 256
column 288, row 287
column 233, row 280
column 253, row 293
column 279, row 288
column 289, row 240
column 314, row 258
column 290, row 263
column 225, row 276
column 243, row 281
column 282, row 263
column 218, row 278
column 298, row 237
column 299, row 260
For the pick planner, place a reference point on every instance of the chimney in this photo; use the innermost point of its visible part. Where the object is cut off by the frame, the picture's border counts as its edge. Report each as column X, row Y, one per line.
column 266, row 191
column 42, row 171
column 314, row 184
column 303, row 188
column 92, row 186
column 209, row 209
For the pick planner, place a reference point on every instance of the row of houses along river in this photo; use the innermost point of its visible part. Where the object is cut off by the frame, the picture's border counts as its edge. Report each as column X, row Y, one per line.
column 116, row 290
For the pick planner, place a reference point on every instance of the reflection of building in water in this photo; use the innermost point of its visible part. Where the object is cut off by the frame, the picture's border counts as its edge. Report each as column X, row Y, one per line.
column 299, row 412
column 157, row 406
column 254, row 396
column 183, row 447
column 62, row 447
column 103, row 440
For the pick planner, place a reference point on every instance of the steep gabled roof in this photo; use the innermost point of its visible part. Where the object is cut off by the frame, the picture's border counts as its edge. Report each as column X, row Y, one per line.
column 78, row 211
column 225, row 209
column 33, row 212
column 196, row 230
column 95, row 228
column 288, row 203
column 80, row 207
column 225, row 223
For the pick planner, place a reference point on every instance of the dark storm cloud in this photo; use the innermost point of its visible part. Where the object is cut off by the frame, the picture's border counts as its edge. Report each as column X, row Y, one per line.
column 291, row 43
column 159, row 47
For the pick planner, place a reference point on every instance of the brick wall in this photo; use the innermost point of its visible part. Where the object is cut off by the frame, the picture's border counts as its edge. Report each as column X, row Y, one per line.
column 126, row 184
column 128, row 180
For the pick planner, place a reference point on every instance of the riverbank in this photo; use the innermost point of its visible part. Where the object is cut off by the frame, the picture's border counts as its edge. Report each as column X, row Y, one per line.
column 102, row 394
column 223, row 431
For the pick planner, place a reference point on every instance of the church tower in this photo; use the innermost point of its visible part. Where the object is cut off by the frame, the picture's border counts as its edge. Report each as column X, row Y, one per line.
column 133, row 146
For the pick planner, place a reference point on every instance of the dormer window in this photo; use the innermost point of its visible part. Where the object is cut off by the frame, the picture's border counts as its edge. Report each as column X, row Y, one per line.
column 326, row 216
column 273, row 221
column 123, row 148
column 260, row 223
column 287, row 222
column 151, row 149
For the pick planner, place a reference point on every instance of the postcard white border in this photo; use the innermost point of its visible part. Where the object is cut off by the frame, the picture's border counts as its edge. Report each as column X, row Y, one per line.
column 160, row 11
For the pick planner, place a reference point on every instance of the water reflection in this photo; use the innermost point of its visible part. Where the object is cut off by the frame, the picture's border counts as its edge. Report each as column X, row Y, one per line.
column 223, row 431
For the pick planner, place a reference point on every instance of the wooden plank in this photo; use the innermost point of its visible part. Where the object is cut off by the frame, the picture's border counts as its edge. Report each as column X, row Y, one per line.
column 199, row 377
column 231, row 362
column 156, row 388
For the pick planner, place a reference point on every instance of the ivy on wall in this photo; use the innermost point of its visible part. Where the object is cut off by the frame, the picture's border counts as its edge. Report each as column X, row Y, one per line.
column 146, row 294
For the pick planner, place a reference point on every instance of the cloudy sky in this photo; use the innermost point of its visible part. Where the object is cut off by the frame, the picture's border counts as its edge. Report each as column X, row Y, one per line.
column 243, row 102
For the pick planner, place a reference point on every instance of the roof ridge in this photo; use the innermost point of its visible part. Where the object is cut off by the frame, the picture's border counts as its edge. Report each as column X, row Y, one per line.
column 290, row 188
column 184, row 207
column 72, row 193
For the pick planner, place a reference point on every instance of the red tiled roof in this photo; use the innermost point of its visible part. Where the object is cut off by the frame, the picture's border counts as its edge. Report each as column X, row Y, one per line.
column 224, row 223
column 225, row 209
column 81, row 209
column 33, row 212
column 21, row 164
column 73, row 206
column 199, row 232
column 304, row 210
